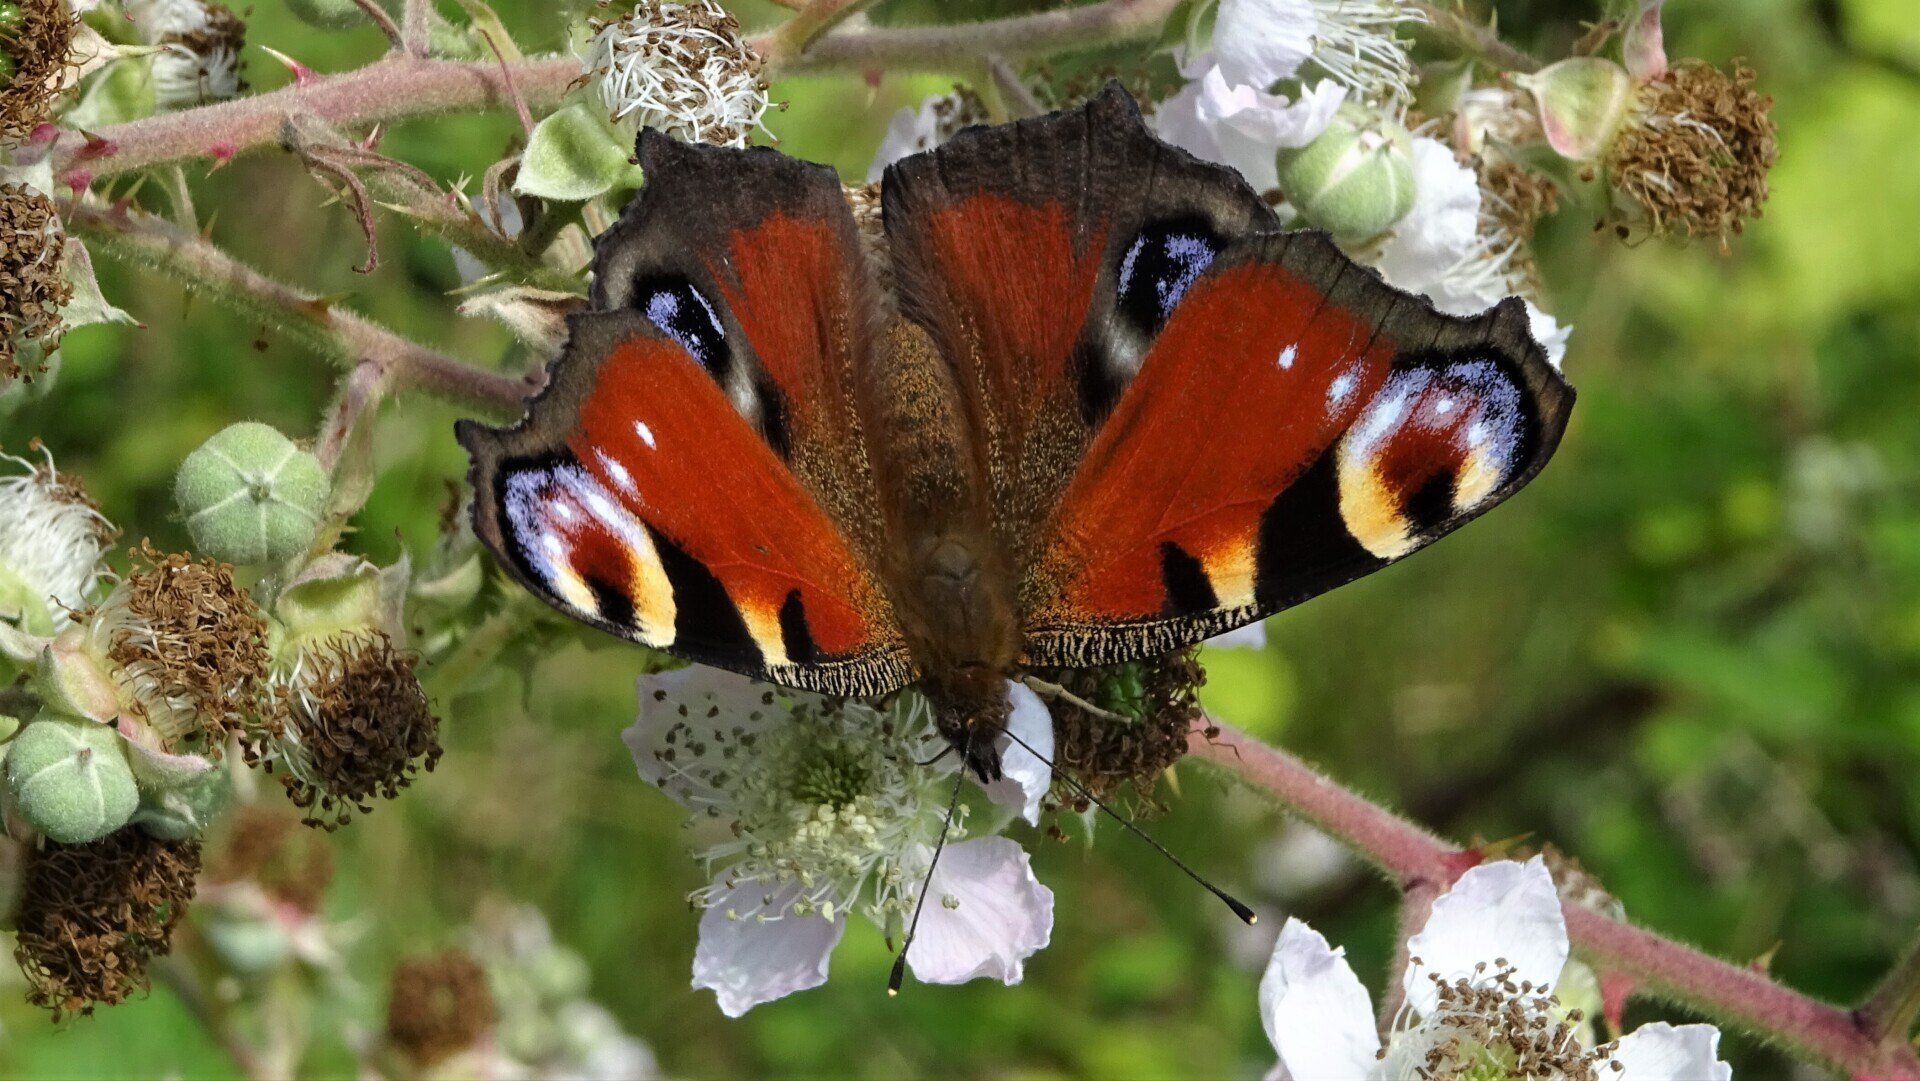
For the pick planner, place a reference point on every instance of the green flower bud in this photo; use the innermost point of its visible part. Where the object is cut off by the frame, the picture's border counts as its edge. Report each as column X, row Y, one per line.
column 9, row 724
column 1582, row 102
column 70, row 779
column 1356, row 179
column 251, row 496
column 249, row 946
column 185, row 811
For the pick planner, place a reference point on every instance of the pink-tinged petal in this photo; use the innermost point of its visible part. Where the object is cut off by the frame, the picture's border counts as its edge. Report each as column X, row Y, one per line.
column 1179, row 120
column 985, row 915
column 746, row 960
column 1269, row 121
column 1025, row 775
column 1497, row 913
column 1315, row 1011
column 1644, row 47
column 1663, row 1052
column 686, row 717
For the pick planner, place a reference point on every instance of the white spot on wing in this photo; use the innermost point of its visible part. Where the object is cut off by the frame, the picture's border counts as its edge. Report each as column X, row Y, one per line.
column 1342, row 387
column 1287, row 356
column 645, row 433
column 617, row 471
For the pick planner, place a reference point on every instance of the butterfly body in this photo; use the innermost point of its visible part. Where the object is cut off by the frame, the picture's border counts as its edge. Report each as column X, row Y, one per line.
column 1071, row 398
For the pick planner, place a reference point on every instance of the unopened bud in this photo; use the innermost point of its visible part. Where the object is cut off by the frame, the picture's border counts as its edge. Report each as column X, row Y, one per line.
column 1356, row 179
column 251, row 496
column 70, row 780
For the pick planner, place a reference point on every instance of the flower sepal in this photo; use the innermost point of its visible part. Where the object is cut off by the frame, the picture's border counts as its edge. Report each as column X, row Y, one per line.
column 1583, row 101
column 71, row 679
column 576, row 153
column 340, row 594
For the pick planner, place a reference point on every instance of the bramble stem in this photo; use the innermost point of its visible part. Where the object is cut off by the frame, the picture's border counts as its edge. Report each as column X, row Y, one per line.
column 325, row 327
column 1447, row 21
column 1412, row 857
column 1890, row 1011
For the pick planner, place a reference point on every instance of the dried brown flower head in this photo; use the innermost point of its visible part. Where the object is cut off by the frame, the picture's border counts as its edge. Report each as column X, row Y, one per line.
column 1517, row 197
column 1695, row 155
column 33, row 282
column 683, row 68
column 357, row 726
column 37, row 44
column 266, row 845
column 1159, row 698
column 189, row 649
column 93, row 915
column 439, row 1006
column 202, row 62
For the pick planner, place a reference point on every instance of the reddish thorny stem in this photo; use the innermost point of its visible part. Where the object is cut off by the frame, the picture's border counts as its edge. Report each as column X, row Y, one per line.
column 1870, row 1042
column 1415, row 859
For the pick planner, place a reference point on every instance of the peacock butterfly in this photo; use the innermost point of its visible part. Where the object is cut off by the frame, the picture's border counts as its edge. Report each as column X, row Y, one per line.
column 1071, row 398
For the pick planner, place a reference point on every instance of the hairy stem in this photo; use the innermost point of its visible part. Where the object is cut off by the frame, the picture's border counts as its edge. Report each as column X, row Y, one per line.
column 1415, row 858
column 1449, row 23
column 1890, row 1011
column 400, row 86
column 325, row 327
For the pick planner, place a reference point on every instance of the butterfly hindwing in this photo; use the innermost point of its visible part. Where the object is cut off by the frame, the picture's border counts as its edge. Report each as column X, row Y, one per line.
column 1296, row 424
column 695, row 476
column 1191, row 419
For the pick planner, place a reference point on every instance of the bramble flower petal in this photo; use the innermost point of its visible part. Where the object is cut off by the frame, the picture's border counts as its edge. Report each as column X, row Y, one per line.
column 1270, row 120
column 1259, row 42
column 1315, row 1011
column 985, row 915
column 747, row 960
column 1498, row 916
column 669, row 698
column 1025, row 774
column 1664, row 1052
column 1181, row 121
column 1439, row 230
column 913, row 130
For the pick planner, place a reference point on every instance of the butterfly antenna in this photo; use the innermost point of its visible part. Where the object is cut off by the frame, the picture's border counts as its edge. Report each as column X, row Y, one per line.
column 1247, row 915
column 899, row 973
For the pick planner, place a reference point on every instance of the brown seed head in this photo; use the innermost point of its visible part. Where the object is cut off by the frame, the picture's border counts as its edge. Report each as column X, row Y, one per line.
column 93, row 915
column 439, row 1006
column 33, row 285
column 189, row 648
column 357, row 726
column 1696, row 154
column 1493, row 1027
column 1161, row 698
column 40, row 47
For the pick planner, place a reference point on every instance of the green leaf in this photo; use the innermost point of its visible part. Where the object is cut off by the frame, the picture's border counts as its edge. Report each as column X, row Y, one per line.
column 574, row 155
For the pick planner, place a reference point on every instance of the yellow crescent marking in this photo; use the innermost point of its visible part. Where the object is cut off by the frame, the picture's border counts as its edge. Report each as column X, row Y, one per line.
column 1371, row 510
column 652, row 595
column 1479, row 475
column 1231, row 570
column 763, row 624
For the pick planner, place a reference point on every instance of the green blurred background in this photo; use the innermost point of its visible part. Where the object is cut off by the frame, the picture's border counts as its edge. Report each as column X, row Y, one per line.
column 1689, row 653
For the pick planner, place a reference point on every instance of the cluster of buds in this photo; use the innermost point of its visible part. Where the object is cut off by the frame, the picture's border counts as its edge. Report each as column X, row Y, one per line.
column 141, row 689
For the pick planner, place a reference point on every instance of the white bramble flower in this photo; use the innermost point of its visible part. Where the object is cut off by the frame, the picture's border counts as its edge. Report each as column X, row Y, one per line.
column 1354, row 42
column 199, row 61
column 809, row 810
column 1243, row 126
column 936, row 120
column 1480, row 1000
column 51, row 540
column 683, row 69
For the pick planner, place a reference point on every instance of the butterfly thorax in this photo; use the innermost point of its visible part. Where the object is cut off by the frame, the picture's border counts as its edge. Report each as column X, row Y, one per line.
column 947, row 579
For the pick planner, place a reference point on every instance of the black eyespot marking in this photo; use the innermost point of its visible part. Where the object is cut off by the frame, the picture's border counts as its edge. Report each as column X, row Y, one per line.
column 1160, row 266
column 1304, row 546
column 685, row 315
column 1189, row 590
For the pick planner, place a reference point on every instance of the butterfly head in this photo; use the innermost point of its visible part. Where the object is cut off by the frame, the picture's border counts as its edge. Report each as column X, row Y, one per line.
column 971, row 707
